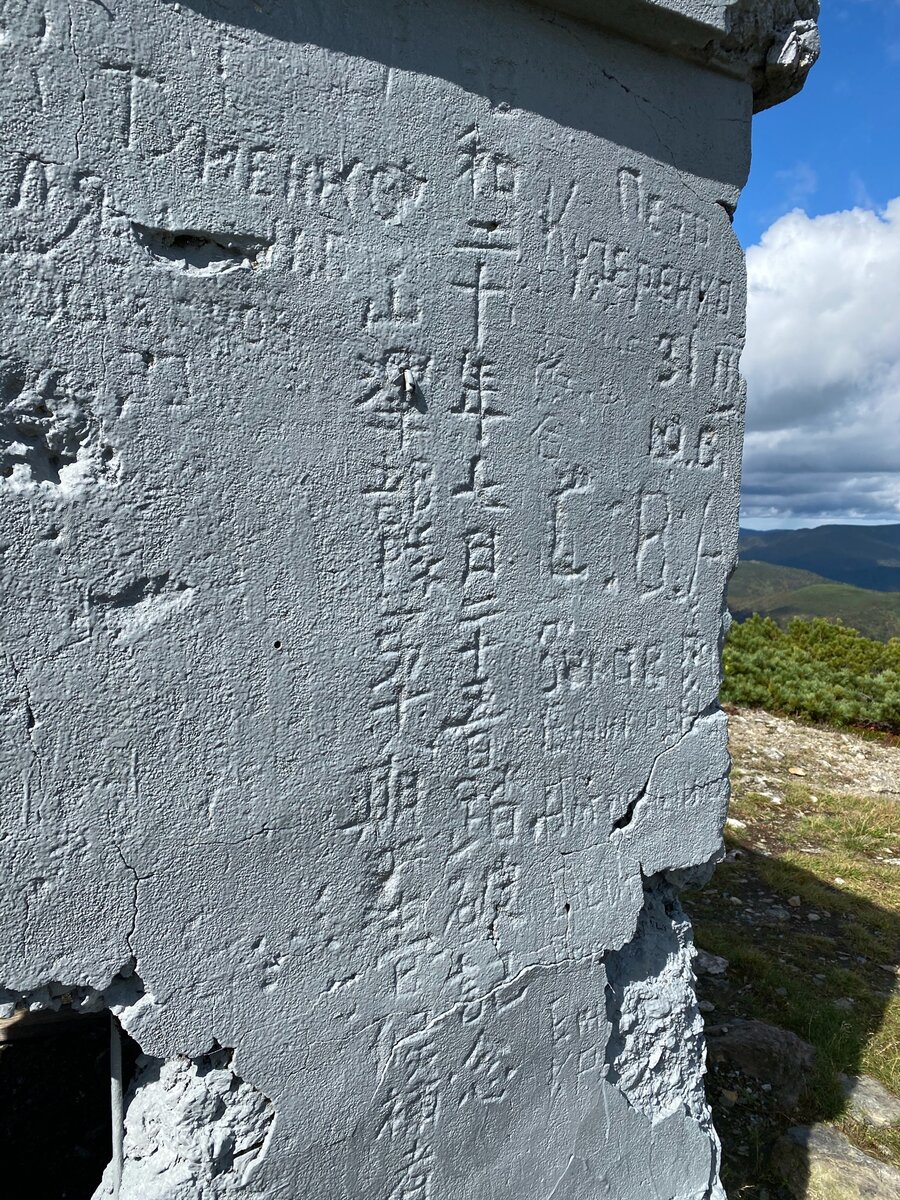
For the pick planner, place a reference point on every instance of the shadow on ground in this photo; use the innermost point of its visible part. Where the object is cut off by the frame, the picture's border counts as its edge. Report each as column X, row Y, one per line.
column 810, row 958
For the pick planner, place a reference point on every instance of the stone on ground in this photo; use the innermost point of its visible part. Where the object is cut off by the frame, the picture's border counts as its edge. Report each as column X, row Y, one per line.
column 706, row 963
column 869, row 1101
column 819, row 1163
column 774, row 1056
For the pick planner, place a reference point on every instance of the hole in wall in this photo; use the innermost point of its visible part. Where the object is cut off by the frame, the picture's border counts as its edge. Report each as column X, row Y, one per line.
column 55, row 1079
column 200, row 251
column 89, row 1116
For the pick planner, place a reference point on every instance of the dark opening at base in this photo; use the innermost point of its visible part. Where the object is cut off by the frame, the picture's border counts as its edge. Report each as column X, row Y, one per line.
column 56, row 1132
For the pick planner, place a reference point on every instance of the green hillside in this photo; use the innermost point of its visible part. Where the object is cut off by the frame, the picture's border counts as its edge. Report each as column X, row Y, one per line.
column 754, row 580
column 783, row 593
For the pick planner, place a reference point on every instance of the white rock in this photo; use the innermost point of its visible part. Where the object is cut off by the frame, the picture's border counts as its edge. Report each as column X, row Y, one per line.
column 869, row 1101
column 706, row 963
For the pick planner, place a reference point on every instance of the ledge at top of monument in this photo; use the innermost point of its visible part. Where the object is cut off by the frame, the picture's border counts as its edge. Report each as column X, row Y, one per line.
column 769, row 44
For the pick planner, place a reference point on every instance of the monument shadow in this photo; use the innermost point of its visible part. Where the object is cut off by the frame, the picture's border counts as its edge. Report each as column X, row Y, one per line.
column 808, row 978
column 615, row 74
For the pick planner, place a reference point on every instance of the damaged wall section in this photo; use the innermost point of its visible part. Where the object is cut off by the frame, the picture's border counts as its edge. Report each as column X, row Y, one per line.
column 192, row 1128
column 370, row 425
column 121, row 1123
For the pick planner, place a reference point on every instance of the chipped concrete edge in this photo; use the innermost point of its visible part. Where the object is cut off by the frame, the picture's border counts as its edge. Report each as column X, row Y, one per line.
column 770, row 44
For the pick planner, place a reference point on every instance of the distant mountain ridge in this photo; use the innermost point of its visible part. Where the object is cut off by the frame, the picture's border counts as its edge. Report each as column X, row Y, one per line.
column 865, row 556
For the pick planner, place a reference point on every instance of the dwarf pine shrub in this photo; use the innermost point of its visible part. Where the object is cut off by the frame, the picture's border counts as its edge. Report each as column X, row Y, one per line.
column 817, row 670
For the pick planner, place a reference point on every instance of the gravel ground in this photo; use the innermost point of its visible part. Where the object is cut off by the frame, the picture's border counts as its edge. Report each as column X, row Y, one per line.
column 774, row 750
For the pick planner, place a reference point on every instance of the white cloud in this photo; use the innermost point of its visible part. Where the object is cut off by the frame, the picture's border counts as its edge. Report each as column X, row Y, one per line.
column 823, row 366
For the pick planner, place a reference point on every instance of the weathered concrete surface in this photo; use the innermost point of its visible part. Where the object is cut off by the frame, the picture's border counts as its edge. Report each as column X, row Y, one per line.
column 770, row 43
column 370, row 427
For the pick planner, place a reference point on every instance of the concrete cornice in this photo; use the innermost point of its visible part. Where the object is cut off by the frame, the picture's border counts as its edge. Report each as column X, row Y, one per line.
column 771, row 44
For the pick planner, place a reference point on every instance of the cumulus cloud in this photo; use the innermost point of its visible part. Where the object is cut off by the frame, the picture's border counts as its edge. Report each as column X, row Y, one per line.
column 823, row 367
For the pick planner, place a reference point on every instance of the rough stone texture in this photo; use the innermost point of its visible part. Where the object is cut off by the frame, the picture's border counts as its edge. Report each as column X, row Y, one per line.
column 192, row 1128
column 655, row 1053
column 819, row 1163
column 869, row 1101
column 370, row 431
column 772, row 1055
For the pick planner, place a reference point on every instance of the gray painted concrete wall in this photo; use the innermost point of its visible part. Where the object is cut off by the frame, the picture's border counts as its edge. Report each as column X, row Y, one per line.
column 370, row 439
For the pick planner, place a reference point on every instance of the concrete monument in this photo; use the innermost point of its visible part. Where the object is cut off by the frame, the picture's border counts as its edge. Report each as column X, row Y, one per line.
column 370, row 432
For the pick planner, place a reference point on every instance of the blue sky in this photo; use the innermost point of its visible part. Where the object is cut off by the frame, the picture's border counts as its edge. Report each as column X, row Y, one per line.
column 823, row 354
column 837, row 144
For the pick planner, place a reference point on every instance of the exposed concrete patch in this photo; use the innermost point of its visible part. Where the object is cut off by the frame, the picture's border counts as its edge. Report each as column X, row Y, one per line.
column 124, row 995
column 655, row 1054
column 50, row 437
column 192, row 1128
column 199, row 252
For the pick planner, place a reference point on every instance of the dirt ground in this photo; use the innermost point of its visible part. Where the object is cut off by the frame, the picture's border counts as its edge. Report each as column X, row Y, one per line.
column 805, row 911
